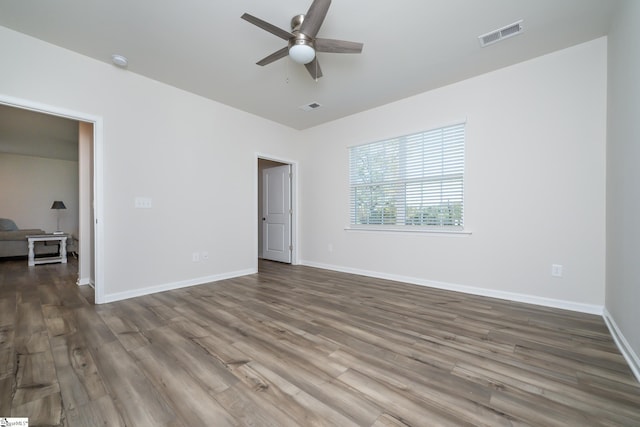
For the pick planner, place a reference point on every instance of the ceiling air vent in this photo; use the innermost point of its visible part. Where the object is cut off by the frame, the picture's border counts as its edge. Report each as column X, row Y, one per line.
column 500, row 34
column 311, row 106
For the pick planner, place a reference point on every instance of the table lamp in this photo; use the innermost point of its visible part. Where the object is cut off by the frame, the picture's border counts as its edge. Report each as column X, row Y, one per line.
column 57, row 205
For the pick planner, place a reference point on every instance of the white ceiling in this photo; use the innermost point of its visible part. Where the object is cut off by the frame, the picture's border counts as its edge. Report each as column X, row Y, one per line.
column 410, row 46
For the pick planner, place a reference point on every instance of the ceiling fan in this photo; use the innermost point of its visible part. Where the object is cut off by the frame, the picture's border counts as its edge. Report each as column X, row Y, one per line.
column 302, row 42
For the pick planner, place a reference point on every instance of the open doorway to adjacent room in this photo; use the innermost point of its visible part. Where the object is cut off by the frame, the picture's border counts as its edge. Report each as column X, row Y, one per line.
column 53, row 156
column 276, row 216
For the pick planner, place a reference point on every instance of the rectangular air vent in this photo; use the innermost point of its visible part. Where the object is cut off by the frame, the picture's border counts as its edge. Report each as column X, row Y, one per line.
column 500, row 34
column 311, row 106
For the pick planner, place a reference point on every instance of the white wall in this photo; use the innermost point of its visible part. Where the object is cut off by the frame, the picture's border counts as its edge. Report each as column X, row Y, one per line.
column 28, row 187
column 194, row 157
column 623, row 176
column 535, row 184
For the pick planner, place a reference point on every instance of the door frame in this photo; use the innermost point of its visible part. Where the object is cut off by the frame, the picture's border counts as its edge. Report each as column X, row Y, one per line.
column 294, row 203
column 98, row 192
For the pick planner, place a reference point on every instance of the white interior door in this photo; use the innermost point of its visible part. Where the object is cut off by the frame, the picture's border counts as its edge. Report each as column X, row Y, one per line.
column 276, row 214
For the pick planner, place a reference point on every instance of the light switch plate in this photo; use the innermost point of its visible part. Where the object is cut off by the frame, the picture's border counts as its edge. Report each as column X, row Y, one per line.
column 143, row 203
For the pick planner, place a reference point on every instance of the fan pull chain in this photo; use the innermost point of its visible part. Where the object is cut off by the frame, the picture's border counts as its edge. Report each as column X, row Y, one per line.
column 287, row 76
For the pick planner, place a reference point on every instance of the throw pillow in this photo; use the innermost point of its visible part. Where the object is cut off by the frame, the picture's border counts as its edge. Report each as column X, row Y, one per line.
column 7, row 225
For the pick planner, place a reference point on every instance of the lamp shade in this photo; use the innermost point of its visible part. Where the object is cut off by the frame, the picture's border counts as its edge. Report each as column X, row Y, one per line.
column 58, row 204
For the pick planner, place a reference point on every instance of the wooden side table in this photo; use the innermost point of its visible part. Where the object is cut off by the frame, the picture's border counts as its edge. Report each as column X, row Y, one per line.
column 62, row 252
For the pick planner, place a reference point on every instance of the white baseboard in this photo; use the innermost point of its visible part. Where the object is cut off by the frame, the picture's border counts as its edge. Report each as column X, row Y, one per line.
column 511, row 296
column 84, row 281
column 118, row 296
column 625, row 348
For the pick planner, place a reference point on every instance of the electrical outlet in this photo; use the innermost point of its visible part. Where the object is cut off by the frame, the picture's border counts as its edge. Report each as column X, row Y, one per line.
column 330, row 247
column 205, row 255
column 195, row 257
column 556, row 270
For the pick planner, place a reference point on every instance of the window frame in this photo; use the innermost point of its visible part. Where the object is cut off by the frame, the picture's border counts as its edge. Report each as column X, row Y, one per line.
column 448, row 218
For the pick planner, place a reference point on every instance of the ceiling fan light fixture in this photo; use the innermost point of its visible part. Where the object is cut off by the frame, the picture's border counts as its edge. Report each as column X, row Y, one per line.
column 302, row 53
column 302, row 43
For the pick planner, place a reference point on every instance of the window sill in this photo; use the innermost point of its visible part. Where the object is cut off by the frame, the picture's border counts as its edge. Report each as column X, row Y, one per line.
column 409, row 231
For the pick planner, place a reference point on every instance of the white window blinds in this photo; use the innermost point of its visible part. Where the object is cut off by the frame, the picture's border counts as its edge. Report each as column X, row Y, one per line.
column 413, row 181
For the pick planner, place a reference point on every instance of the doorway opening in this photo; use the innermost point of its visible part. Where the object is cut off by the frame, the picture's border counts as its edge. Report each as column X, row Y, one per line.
column 89, row 190
column 275, row 210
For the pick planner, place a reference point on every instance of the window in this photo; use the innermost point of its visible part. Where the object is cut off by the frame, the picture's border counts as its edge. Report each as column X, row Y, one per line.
column 410, row 182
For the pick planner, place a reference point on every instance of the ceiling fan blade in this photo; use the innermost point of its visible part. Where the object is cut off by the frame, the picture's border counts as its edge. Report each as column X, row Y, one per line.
column 314, row 69
column 314, row 17
column 286, row 35
column 274, row 56
column 337, row 46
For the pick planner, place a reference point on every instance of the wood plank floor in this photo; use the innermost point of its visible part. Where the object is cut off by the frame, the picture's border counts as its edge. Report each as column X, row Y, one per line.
column 298, row 346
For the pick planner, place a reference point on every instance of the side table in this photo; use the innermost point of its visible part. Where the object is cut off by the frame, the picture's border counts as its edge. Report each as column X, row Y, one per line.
column 62, row 252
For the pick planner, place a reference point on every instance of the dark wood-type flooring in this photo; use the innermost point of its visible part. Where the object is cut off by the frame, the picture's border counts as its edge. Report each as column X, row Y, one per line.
column 298, row 346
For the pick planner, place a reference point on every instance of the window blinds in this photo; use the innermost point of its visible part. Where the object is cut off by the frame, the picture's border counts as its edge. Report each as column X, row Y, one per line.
column 415, row 180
